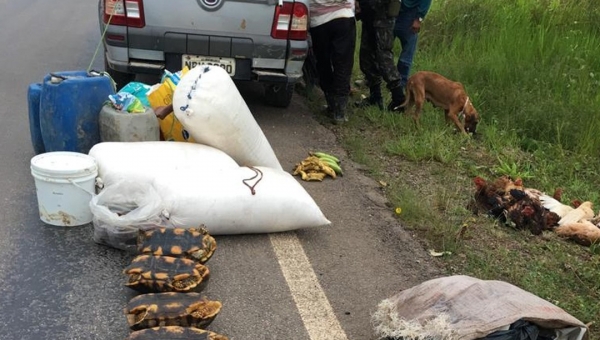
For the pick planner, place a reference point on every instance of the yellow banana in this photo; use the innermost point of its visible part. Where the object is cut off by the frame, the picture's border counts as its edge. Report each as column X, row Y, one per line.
column 336, row 167
column 315, row 176
column 304, row 175
column 312, row 159
column 312, row 167
column 297, row 169
column 329, row 171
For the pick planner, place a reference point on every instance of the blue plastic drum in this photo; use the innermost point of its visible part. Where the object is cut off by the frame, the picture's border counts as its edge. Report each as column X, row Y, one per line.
column 70, row 105
column 34, row 91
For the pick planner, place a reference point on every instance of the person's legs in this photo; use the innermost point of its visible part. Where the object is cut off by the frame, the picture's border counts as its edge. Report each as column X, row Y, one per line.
column 342, row 54
column 321, row 40
column 368, row 61
column 385, row 60
column 408, row 41
column 343, row 41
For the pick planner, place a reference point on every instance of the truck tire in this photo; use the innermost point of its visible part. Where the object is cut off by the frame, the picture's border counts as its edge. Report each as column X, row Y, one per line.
column 279, row 95
column 121, row 78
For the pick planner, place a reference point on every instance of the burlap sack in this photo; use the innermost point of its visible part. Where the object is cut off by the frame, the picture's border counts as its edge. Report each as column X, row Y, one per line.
column 463, row 307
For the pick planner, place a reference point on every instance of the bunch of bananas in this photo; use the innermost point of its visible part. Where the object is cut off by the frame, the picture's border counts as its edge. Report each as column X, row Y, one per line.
column 318, row 165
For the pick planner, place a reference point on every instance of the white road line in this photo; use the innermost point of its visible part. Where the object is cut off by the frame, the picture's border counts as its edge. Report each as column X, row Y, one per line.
column 313, row 306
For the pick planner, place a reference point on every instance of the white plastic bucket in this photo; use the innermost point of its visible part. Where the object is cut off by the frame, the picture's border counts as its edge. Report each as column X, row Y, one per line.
column 65, row 184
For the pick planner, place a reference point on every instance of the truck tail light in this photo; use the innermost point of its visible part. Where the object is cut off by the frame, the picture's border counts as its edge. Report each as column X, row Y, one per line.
column 124, row 13
column 291, row 21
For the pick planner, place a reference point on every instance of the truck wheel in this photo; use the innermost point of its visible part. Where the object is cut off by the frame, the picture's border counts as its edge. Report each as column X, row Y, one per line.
column 121, row 78
column 279, row 95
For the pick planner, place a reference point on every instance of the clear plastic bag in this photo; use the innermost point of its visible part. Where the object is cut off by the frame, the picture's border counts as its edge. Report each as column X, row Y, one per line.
column 120, row 210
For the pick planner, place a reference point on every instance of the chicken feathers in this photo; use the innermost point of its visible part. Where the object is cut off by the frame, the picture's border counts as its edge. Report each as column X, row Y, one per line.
column 486, row 197
column 555, row 205
column 526, row 212
column 533, row 210
column 582, row 213
column 585, row 232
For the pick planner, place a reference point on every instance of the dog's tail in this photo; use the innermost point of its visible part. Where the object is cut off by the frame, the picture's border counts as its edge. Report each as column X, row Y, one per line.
column 408, row 96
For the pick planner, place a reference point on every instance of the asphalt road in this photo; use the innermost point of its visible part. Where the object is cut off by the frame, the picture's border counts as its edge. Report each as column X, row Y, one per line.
column 56, row 283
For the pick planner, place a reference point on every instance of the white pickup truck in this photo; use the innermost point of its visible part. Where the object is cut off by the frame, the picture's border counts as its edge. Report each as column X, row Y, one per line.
column 253, row 40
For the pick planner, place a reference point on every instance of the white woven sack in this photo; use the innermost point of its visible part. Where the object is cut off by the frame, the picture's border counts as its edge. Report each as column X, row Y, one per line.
column 199, row 184
column 210, row 107
column 147, row 161
column 241, row 201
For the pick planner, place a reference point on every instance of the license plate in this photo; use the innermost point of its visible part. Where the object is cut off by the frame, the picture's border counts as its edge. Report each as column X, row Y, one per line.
column 191, row 61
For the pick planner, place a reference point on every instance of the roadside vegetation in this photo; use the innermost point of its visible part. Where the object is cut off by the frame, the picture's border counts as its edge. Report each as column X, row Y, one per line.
column 532, row 70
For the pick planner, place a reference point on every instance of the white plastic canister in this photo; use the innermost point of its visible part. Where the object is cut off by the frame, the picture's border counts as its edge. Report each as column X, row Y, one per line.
column 65, row 184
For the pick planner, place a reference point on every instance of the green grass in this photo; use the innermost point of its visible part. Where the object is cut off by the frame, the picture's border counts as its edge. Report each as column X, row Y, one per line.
column 531, row 68
column 522, row 63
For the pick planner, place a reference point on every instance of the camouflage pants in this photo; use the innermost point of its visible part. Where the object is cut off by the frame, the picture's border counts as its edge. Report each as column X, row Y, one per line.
column 376, row 43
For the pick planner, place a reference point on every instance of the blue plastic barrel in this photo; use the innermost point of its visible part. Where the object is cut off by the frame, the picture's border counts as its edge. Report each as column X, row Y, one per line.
column 70, row 105
column 34, row 91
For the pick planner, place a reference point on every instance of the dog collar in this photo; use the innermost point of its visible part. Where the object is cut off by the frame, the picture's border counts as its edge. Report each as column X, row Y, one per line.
column 461, row 114
column 464, row 106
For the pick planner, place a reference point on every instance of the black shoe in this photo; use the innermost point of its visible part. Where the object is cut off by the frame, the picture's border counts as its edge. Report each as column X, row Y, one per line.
column 330, row 104
column 398, row 99
column 368, row 102
column 339, row 117
column 339, row 120
column 395, row 106
column 340, row 109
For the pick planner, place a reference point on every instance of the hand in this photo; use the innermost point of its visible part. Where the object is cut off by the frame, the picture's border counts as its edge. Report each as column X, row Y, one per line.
column 163, row 111
column 416, row 25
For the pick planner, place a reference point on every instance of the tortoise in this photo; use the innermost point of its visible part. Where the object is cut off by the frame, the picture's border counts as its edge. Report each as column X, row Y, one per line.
column 175, row 332
column 171, row 309
column 193, row 243
column 155, row 274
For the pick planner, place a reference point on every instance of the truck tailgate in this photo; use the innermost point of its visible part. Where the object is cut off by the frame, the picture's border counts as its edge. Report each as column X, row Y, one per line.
column 240, row 18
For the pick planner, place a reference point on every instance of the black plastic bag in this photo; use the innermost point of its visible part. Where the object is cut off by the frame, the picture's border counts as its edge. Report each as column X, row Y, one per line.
column 519, row 330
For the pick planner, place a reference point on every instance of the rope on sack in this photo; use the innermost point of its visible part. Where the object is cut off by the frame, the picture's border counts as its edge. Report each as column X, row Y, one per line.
column 257, row 174
column 185, row 108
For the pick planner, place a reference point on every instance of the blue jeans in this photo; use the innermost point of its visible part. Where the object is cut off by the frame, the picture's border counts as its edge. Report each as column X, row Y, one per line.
column 408, row 40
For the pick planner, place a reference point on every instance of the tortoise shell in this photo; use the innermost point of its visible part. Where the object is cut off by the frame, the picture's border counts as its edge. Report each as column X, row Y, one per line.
column 192, row 243
column 155, row 274
column 175, row 332
column 171, row 309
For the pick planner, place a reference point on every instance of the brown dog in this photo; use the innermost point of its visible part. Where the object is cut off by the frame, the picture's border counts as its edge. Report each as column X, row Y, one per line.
column 443, row 93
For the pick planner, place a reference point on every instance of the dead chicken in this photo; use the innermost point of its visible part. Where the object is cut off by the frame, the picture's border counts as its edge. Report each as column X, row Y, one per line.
column 526, row 212
column 555, row 205
column 488, row 197
column 581, row 213
column 584, row 232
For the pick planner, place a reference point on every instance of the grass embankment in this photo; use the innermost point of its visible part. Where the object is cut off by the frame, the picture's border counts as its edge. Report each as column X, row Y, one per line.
column 531, row 68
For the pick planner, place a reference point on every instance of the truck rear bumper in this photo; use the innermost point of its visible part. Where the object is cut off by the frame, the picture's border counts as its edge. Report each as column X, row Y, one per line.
column 118, row 59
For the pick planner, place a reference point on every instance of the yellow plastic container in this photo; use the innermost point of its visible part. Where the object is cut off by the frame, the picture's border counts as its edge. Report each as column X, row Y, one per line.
column 170, row 127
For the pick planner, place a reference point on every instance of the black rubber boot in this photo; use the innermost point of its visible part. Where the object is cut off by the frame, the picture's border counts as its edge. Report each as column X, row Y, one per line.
column 340, row 109
column 374, row 99
column 397, row 99
column 330, row 104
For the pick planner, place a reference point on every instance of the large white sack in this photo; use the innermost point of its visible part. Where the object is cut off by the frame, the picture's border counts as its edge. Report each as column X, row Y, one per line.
column 224, row 202
column 199, row 184
column 141, row 161
column 210, row 107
